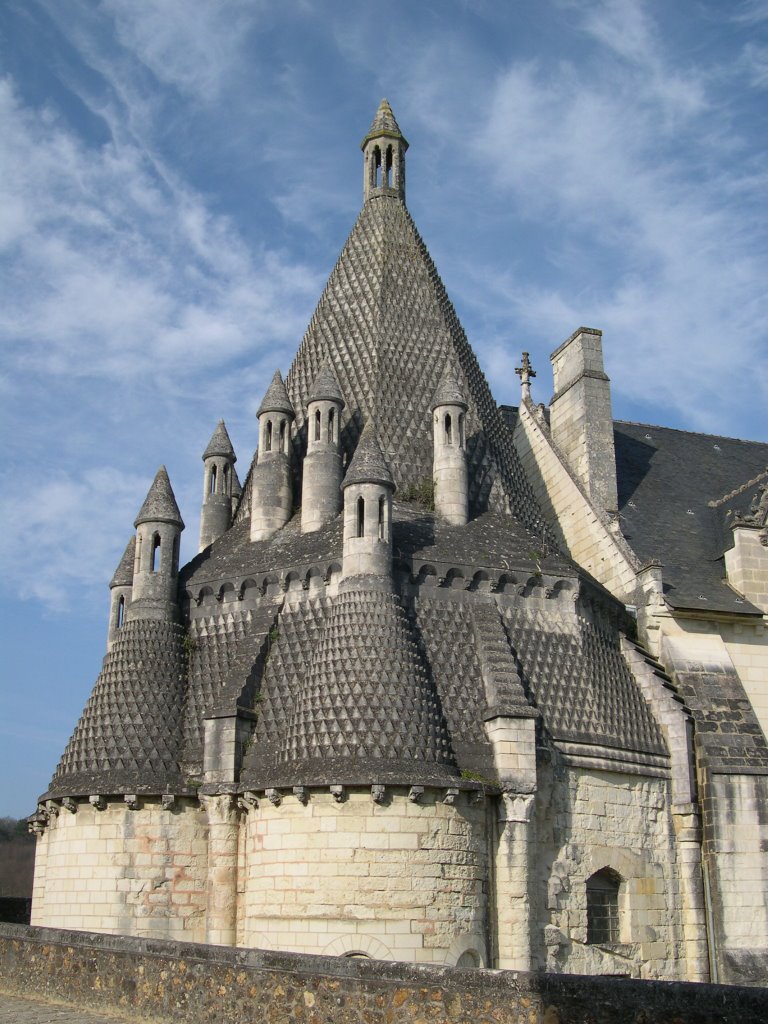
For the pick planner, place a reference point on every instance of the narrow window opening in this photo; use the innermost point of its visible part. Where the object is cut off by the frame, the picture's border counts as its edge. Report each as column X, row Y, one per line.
column 377, row 167
column 389, row 166
column 226, row 479
column 360, row 517
column 154, row 562
column 331, row 426
column 268, row 436
column 461, row 429
column 382, row 509
column 317, row 425
column 120, row 613
column 603, row 907
column 212, row 481
column 175, row 561
column 283, row 446
column 448, row 429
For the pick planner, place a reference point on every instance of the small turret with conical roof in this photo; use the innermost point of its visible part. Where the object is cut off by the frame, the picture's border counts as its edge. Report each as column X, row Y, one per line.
column 384, row 149
column 368, row 489
column 449, row 472
column 321, row 478
column 120, row 588
column 219, row 461
column 272, row 485
column 156, row 563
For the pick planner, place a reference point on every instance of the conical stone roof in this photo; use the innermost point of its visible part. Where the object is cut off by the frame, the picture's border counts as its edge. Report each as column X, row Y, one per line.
column 123, row 576
column 325, row 387
column 368, row 465
column 384, row 123
column 160, row 503
column 388, row 330
column 449, row 391
column 276, row 399
column 220, row 444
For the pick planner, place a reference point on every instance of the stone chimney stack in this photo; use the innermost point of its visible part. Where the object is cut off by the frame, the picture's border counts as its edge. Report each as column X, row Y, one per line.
column 218, row 476
column 272, row 484
column 368, row 489
column 322, row 470
column 120, row 592
column 156, row 563
column 449, row 409
column 384, row 149
column 580, row 415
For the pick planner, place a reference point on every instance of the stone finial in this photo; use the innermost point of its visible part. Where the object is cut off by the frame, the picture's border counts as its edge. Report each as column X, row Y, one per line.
column 160, row 503
column 220, row 444
column 384, row 124
column 276, row 398
column 124, row 572
column 526, row 373
column 449, row 391
column 325, row 387
column 368, row 465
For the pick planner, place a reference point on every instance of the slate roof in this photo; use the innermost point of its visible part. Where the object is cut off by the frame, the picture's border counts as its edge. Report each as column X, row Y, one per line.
column 160, row 503
column 220, row 444
column 675, row 489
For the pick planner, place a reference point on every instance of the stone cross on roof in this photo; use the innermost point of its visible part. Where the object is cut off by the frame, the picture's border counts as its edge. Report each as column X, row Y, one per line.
column 526, row 373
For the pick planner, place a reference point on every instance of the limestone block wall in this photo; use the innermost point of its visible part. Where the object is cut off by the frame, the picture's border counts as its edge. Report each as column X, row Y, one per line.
column 399, row 879
column 746, row 564
column 578, row 525
column 590, row 820
column 132, row 872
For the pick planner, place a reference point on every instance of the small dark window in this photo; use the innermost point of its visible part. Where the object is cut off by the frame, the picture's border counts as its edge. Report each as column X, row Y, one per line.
column 226, row 479
column 377, row 167
column 448, row 429
column 154, row 562
column 120, row 619
column 382, row 506
column 461, row 429
column 175, row 564
column 603, row 907
column 389, row 166
column 268, row 436
column 283, row 447
column 317, row 425
column 360, row 517
column 331, row 426
column 212, row 481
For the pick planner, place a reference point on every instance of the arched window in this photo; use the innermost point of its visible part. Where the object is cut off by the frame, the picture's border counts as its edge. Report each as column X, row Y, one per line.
column 468, row 960
column 377, row 167
column 212, row 480
column 603, row 907
column 120, row 617
column 226, row 479
column 268, row 436
column 360, row 517
column 331, row 426
column 461, row 429
column 382, row 510
column 448, row 429
column 356, row 954
column 317, row 425
column 283, row 446
column 154, row 561
column 388, row 168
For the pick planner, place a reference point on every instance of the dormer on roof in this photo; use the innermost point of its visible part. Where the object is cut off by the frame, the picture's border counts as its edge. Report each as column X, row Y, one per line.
column 384, row 149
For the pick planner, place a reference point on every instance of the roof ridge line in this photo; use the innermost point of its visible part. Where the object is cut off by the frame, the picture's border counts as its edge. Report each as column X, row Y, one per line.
column 694, row 433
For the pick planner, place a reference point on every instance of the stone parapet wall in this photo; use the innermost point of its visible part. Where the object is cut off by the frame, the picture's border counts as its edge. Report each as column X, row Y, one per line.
column 174, row 981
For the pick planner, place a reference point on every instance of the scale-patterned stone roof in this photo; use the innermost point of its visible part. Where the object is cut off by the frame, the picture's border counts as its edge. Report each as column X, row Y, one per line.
column 368, row 464
column 449, row 391
column 128, row 738
column 160, row 503
column 383, row 123
column 123, row 576
column 220, row 444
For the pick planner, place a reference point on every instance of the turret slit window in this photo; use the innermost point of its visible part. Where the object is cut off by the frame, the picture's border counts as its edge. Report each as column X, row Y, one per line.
column 462, row 441
column 377, row 167
column 331, row 426
column 360, row 517
column 382, row 514
column 175, row 562
column 389, row 167
column 317, row 425
column 603, row 907
column 120, row 617
column 154, row 562
column 448, row 429
column 212, row 481
column 283, row 445
column 268, row 436
column 226, row 479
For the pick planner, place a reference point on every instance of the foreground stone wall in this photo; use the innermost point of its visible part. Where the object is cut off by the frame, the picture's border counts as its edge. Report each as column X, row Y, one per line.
column 174, row 981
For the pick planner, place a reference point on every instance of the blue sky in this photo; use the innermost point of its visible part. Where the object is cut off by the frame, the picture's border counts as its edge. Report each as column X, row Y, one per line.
column 178, row 177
